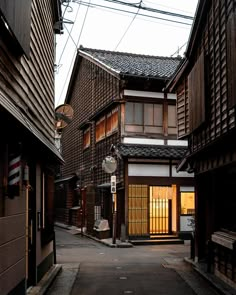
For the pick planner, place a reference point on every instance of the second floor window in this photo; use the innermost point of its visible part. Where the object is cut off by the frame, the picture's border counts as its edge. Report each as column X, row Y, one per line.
column 142, row 117
column 107, row 124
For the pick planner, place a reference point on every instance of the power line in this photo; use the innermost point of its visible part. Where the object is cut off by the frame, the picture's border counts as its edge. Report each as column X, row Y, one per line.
column 130, row 12
column 173, row 8
column 178, row 50
column 152, row 9
column 72, row 60
column 139, row 17
column 69, row 35
column 129, row 26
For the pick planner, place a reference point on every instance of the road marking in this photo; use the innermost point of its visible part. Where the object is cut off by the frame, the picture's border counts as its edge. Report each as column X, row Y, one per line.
column 123, row 278
column 118, row 267
column 128, row 292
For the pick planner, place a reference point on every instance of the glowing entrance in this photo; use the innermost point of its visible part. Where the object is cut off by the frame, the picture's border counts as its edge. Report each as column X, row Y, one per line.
column 160, row 209
column 150, row 209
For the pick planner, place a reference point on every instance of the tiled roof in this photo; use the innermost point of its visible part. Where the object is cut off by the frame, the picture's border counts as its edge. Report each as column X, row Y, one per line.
column 152, row 151
column 135, row 64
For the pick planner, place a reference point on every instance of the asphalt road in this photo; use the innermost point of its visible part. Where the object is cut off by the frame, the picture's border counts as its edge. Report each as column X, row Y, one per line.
column 91, row 268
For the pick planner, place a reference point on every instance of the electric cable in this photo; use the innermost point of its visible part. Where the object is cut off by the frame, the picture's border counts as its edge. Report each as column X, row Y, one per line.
column 72, row 60
column 152, row 9
column 69, row 36
column 130, row 12
column 177, row 51
column 169, row 7
column 128, row 26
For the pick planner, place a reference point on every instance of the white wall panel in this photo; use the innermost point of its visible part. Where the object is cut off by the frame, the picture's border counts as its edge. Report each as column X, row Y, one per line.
column 181, row 173
column 136, row 140
column 148, row 170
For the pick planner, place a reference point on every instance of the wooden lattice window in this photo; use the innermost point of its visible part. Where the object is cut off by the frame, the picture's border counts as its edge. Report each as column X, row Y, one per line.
column 138, row 210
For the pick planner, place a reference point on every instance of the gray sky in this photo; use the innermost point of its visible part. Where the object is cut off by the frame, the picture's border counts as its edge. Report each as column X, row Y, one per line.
column 102, row 28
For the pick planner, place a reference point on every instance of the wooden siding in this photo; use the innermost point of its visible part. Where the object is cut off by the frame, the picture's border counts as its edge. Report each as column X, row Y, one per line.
column 12, row 249
column 17, row 15
column 29, row 82
column 231, row 59
column 94, row 89
column 12, row 277
column 196, row 85
column 182, row 105
column 213, row 42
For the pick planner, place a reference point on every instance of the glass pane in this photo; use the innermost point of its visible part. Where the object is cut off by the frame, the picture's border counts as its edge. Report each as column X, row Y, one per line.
column 148, row 114
column 187, row 203
column 158, row 115
column 138, row 113
column 129, row 112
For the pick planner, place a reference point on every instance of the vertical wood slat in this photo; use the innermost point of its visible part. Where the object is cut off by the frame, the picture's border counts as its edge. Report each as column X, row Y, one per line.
column 29, row 82
column 231, row 59
column 196, row 82
column 218, row 41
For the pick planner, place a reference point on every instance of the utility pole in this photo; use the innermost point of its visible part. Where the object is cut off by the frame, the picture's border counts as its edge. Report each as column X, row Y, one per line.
column 114, row 208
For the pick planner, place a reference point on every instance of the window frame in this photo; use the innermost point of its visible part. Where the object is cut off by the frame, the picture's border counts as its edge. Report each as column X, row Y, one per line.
column 143, row 126
column 86, row 138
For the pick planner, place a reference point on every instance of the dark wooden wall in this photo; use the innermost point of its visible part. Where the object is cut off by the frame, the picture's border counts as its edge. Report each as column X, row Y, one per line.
column 218, row 116
column 28, row 82
column 93, row 90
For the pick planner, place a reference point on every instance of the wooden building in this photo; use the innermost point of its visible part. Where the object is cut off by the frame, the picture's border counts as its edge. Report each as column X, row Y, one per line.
column 206, row 98
column 27, row 151
column 120, row 110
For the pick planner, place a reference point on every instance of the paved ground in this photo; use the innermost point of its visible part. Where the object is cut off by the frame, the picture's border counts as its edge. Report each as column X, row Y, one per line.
column 91, row 268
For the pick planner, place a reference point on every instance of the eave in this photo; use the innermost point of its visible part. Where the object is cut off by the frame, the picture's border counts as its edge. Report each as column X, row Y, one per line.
column 102, row 65
column 194, row 35
column 80, row 54
column 57, row 15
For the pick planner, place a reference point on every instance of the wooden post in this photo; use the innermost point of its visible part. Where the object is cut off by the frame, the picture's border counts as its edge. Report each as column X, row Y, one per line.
column 114, row 207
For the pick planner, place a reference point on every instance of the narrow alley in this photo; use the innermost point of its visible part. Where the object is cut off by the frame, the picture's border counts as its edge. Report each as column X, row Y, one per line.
column 89, row 267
